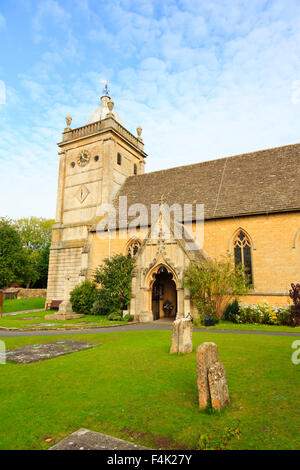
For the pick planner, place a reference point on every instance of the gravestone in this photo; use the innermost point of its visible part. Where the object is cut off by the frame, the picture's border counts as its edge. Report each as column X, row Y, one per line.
column 219, row 394
column 211, row 378
column 207, row 355
column 182, row 336
column 40, row 352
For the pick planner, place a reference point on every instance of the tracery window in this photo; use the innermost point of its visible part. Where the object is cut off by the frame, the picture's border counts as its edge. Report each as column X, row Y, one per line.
column 133, row 248
column 242, row 253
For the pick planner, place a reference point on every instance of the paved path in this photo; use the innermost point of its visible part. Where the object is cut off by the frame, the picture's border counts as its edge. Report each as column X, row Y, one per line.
column 153, row 326
column 23, row 311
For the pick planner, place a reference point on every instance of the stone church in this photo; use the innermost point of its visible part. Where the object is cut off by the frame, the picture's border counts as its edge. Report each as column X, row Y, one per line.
column 251, row 210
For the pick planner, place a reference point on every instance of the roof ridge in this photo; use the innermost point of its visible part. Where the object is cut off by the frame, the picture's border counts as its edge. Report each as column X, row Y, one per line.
column 215, row 160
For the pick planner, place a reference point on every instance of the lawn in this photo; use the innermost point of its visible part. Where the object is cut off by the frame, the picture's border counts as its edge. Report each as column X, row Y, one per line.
column 25, row 321
column 132, row 388
column 17, row 305
column 228, row 325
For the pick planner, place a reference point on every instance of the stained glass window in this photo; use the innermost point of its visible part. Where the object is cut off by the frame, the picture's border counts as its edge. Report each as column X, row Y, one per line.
column 242, row 253
column 133, row 248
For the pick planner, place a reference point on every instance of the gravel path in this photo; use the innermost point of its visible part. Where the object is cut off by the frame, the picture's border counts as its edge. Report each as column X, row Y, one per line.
column 153, row 326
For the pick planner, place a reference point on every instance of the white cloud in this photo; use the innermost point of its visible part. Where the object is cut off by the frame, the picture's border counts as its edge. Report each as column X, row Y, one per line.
column 2, row 21
column 204, row 80
column 47, row 12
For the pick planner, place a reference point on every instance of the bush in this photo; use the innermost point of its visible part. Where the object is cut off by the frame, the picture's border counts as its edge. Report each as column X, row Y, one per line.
column 232, row 311
column 128, row 318
column 115, row 316
column 114, row 277
column 102, row 304
column 83, row 297
column 213, row 283
column 285, row 317
column 260, row 313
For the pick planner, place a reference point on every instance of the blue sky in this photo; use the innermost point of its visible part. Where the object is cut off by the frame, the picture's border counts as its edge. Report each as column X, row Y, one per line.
column 204, row 79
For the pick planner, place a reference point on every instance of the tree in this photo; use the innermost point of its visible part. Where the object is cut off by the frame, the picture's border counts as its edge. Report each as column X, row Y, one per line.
column 13, row 259
column 214, row 283
column 114, row 277
column 42, row 266
column 35, row 234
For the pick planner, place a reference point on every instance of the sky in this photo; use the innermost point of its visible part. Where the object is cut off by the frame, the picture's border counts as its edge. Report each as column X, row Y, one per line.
column 204, row 79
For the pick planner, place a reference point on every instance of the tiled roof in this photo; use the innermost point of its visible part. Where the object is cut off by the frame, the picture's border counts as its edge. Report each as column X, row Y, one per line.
column 265, row 181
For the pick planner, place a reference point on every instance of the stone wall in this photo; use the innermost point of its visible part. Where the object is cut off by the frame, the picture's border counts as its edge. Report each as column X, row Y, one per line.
column 31, row 293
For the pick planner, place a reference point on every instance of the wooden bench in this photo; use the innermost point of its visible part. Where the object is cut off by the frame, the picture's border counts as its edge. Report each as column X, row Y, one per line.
column 54, row 305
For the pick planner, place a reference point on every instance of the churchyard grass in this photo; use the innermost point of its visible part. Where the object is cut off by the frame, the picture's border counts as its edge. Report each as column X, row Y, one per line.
column 17, row 305
column 132, row 388
column 20, row 321
column 25, row 321
column 228, row 325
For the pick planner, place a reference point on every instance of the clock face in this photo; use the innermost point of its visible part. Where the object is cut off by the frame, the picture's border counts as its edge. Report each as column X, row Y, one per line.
column 83, row 158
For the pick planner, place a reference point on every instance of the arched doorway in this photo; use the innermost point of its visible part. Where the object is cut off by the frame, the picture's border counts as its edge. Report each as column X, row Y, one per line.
column 164, row 295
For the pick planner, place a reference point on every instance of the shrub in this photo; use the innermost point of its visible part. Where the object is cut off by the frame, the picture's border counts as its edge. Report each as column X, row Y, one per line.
column 128, row 318
column 232, row 311
column 83, row 297
column 213, row 283
column 114, row 277
column 101, row 305
column 263, row 314
column 285, row 317
column 115, row 316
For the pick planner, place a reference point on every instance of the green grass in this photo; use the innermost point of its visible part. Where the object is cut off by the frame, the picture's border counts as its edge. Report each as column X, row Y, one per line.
column 228, row 325
column 17, row 305
column 20, row 321
column 132, row 388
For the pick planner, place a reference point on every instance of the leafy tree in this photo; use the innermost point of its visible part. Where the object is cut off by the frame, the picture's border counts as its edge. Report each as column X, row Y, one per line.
column 114, row 277
column 214, row 283
column 42, row 266
column 13, row 259
column 35, row 234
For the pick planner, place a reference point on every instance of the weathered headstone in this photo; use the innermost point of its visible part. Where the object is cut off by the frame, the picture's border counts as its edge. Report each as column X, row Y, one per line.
column 218, row 388
column 182, row 336
column 207, row 355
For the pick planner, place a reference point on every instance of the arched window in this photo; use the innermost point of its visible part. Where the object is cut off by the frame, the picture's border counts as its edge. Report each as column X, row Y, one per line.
column 242, row 253
column 135, row 169
column 133, row 248
column 119, row 159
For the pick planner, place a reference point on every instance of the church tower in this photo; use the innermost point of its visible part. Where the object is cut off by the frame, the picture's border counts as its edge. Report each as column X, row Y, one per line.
column 95, row 160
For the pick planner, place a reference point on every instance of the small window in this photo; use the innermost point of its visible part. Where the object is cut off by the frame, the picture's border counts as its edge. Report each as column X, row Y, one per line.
column 119, row 159
column 72, row 164
column 96, row 158
column 135, row 169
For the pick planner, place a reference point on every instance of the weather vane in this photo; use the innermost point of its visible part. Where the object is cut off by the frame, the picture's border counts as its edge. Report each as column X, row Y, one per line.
column 105, row 89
